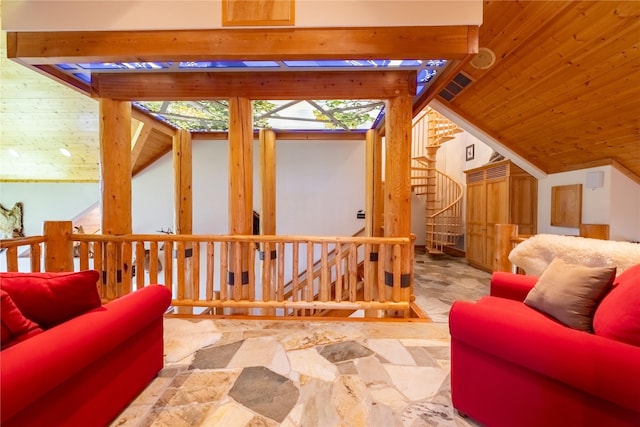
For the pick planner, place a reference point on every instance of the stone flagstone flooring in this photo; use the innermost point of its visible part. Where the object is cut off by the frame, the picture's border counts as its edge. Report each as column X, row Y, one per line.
column 317, row 374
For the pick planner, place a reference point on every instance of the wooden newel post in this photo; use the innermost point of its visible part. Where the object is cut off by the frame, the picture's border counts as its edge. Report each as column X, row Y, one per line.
column 58, row 247
column 505, row 233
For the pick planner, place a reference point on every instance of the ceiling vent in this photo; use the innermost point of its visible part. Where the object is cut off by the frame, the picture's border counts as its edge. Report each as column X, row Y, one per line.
column 455, row 86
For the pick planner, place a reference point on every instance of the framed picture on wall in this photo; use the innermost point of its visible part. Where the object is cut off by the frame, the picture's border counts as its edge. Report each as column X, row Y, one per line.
column 471, row 152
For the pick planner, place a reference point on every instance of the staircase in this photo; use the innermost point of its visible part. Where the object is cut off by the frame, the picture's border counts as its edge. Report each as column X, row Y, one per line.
column 443, row 194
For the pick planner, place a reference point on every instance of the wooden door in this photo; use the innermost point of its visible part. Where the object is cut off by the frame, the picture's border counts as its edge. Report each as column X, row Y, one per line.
column 476, row 222
column 497, row 203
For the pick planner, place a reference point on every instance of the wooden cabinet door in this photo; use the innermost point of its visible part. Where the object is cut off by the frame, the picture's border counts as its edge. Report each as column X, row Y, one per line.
column 476, row 220
column 524, row 204
column 497, row 203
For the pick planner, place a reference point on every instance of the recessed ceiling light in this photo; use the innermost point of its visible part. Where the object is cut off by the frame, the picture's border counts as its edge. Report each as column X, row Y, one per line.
column 65, row 152
column 14, row 153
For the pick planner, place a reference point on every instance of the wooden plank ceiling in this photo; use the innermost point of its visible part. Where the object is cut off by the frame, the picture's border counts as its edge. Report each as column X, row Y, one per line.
column 564, row 93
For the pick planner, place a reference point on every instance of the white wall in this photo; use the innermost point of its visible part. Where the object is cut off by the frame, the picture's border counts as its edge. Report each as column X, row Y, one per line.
column 53, row 15
column 616, row 203
column 48, row 201
column 319, row 189
column 624, row 208
column 451, row 159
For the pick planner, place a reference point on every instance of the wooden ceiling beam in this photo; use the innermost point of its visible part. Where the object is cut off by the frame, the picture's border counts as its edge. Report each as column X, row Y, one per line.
column 149, row 119
column 439, row 42
column 255, row 85
column 293, row 135
column 139, row 139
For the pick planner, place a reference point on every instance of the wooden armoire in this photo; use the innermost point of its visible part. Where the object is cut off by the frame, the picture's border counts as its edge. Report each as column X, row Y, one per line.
column 497, row 193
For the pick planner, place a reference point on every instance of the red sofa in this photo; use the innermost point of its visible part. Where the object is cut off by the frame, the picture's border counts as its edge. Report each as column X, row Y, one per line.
column 512, row 365
column 85, row 370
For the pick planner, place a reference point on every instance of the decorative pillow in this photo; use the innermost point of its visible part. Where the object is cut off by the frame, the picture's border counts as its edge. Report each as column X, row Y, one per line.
column 15, row 327
column 618, row 315
column 52, row 298
column 570, row 293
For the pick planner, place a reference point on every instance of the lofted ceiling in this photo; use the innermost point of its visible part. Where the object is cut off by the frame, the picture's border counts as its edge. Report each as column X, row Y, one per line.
column 563, row 92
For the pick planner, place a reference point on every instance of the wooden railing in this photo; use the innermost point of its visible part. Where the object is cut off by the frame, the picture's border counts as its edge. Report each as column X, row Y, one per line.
column 270, row 270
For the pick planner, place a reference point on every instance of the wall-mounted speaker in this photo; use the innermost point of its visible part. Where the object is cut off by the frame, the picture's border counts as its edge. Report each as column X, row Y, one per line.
column 595, row 179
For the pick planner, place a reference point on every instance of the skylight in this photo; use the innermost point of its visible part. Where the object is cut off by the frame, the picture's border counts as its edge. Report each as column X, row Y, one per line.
column 212, row 115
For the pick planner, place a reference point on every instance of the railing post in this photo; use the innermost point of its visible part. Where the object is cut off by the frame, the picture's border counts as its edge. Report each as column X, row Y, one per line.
column 504, row 236
column 58, row 246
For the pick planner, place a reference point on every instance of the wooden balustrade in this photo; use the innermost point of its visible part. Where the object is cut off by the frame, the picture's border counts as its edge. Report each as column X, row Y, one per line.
column 12, row 249
column 284, row 275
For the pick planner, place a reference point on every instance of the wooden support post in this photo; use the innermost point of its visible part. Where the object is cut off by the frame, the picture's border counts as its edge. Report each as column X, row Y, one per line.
column 268, row 181
column 240, row 193
column 183, row 198
column 115, row 179
column 268, row 212
column 397, row 195
column 374, row 205
column 58, row 248
column 504, row 235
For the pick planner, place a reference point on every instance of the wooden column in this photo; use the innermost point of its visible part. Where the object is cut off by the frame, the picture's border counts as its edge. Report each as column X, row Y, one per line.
column 183, row 199
column 268, row 213
column 374, row 205
column 268, row 181
column 240, row 193
column 115, row 184
column 58, row 249
column 374, row 208
column 115, row 166
column 397, row 191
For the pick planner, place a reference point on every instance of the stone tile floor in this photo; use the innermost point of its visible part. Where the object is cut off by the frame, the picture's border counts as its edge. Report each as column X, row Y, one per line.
column 281, row 373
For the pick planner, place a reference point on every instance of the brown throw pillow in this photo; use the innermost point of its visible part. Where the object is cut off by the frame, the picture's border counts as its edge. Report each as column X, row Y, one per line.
column 571, row 293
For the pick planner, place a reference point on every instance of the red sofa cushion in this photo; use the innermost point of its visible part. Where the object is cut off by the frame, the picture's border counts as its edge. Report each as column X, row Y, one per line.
column 618, row 315
column 15, row 327
column 52, row 298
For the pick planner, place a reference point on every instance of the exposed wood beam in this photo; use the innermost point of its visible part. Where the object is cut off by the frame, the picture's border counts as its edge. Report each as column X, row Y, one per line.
column 303, row 135
column 158, row 125
column 255, row 85
column 139, row 139
column 47, row 47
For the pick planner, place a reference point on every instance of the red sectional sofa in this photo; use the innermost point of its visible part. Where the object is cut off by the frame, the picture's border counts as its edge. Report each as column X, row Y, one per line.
column 85, row 369
column 512, row 365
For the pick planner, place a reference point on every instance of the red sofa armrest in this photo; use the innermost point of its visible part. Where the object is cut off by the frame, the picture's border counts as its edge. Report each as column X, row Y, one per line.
column 32, row 368
column 517, row 334
column 511, row 286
